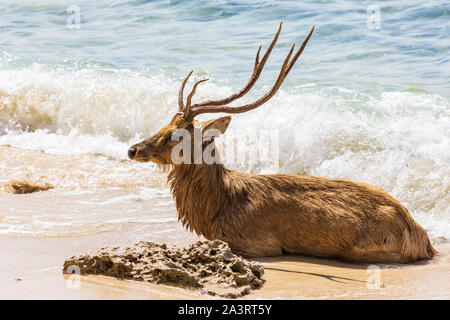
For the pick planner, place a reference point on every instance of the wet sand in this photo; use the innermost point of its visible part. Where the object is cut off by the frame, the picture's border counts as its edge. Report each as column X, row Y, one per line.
column 39, row 231
column 314, row 278
column 31, row 269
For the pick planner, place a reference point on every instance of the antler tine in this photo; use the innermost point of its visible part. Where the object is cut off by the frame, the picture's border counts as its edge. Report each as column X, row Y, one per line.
column 180, row 93
column 299, row 52
column 256, row 60
column 287, row 66
column 257, row 69
column 189, row 98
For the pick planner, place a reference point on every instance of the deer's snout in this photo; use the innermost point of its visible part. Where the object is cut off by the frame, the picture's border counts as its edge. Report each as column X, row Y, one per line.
column 140, row 152
column 132, row 153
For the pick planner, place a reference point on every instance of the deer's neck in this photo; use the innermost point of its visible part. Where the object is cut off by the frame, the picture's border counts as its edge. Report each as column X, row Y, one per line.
column 199, row 191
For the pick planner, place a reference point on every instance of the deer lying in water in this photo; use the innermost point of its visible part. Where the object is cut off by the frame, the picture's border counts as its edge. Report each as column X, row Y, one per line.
column 270, row 215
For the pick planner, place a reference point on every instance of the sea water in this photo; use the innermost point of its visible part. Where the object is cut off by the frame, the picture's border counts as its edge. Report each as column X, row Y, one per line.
column 368, row 99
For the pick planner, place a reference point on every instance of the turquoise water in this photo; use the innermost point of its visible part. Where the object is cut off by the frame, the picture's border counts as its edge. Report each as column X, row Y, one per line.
column 410, row 50
column 368, row 100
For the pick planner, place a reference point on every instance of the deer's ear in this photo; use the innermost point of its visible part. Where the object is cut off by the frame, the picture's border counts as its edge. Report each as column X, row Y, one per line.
column 220, row 124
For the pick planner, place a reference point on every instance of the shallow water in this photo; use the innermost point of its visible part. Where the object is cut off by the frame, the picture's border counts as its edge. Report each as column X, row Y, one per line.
column 366, row 104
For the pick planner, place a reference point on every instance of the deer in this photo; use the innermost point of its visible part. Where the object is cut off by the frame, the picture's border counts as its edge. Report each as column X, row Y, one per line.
column 261, row 215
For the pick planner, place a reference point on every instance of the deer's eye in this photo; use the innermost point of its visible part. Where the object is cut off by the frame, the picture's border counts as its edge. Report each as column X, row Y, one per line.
column 166, row 138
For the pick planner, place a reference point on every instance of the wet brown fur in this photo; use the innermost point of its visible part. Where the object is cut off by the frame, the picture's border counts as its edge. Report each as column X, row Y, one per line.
column 269, row 215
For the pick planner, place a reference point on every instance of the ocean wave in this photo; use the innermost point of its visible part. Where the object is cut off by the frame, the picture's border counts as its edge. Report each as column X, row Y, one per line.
column 398, row 140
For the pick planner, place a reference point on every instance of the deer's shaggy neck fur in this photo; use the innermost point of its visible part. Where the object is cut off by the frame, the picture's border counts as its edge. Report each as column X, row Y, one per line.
column 199, row 188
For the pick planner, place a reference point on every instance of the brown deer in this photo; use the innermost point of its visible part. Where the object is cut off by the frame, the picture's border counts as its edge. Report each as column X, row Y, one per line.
column 271, row 215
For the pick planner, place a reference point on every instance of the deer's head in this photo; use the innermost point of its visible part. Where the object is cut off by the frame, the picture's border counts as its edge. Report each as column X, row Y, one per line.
column 159, row 147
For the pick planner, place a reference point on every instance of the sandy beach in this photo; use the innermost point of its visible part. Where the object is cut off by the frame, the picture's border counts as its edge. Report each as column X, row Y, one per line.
column 37, row 263
column 41, row 238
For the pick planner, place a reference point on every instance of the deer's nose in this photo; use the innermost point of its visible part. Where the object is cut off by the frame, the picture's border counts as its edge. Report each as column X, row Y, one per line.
column 132, row 153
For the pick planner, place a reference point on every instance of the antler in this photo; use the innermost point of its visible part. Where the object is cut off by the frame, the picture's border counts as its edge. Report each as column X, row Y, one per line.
column 257, row 69
column 218, row 106
column 180, row 94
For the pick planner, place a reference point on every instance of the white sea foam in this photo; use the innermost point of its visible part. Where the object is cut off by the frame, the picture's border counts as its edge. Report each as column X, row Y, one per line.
column 399, row 141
